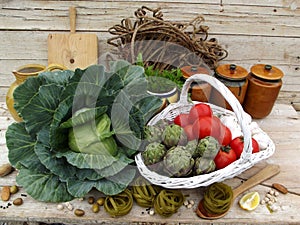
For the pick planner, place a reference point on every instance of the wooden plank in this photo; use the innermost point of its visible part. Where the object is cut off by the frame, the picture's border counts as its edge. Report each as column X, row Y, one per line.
column 262, row 19
column 285, row 97
column 255, row 50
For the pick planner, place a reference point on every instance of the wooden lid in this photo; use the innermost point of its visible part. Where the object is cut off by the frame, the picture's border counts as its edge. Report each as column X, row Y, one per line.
column 188, row 71
column 267, row 72
column 231, row 72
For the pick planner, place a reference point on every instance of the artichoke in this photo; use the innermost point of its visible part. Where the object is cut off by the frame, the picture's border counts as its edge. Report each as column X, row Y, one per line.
column 174, row 135
column 163, row 123
column 192, row 147
column 153, row 133
column 208, row 148
column 153, row 153
column 203, row 165
column 178, row 162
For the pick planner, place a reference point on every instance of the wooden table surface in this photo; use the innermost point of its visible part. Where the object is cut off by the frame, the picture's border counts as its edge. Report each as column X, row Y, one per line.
column 283, row 127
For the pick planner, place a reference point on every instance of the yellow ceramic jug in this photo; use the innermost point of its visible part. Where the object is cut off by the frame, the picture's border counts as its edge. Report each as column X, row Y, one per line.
column 21, row 74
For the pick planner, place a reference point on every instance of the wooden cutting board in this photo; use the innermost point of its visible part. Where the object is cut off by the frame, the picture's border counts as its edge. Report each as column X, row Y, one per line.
column 73, row 50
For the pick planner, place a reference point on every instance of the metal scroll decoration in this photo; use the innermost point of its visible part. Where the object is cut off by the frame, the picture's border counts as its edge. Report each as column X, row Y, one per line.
column 165, row 44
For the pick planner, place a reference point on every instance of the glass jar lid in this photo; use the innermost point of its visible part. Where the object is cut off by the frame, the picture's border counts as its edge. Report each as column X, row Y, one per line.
column 231, row 72
column 266, row 72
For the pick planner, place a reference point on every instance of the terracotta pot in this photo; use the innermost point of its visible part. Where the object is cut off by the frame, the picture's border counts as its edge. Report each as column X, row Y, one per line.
column 21, row 74
column 263, row 89
column 235, row 79
column 199, row 91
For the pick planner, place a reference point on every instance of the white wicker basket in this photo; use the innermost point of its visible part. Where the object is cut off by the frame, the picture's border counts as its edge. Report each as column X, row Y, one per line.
column 246, row 160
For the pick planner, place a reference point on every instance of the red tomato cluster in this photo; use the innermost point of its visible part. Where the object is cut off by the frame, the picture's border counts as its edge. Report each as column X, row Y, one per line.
column 200, row 122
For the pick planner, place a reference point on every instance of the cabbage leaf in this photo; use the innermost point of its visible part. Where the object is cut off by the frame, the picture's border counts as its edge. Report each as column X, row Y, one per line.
column 52, row 104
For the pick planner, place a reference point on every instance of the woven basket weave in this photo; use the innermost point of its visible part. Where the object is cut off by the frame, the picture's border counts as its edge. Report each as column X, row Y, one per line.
column 246, row 160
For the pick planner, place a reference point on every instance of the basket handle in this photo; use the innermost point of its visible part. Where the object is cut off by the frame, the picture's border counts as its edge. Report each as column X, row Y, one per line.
column 233, row 102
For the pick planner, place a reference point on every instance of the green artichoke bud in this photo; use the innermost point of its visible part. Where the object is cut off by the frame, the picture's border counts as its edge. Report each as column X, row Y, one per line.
column 174, row 135
column 153, row 133
column 154, row 153
column 208, row 147
column 163, row 123
column 178, row 162
column 203, row 165
column 191, row 147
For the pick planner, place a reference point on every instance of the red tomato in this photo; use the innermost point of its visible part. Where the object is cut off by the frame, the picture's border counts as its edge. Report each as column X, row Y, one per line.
column 224, row 157
column 237, row 144
column 182, row 120
column 189, row 132
column 255, row 146
column 206, row 126
column 225, row 135
column 199, row 110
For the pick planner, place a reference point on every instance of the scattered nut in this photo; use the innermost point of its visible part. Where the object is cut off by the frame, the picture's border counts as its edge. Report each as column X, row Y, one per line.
column 5, row 169
column 13, row 189
column 151, row 212
column 67, row 203
column 91, row 200
column 95, row 208
column 79, row 212
column 276, row 193
column 192, row 202
column 5, row 193
column 280, row 188
column 18, row 201
column 189, row 206
column 269, row 196
column 100, row 201
column 186, row 202
column 69, row 206
column 274, row 208
column 60, row 207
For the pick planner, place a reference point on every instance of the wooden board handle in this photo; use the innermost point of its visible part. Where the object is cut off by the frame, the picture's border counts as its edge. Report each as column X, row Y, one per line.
column 72, row 15
column 264, row 174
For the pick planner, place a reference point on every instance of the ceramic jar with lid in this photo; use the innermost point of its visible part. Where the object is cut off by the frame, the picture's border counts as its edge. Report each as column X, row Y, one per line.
column 263, row 89
column 199, row 91
column 235, row 79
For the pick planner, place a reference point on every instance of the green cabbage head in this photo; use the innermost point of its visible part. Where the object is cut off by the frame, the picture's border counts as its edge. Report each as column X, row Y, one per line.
column 93, row 138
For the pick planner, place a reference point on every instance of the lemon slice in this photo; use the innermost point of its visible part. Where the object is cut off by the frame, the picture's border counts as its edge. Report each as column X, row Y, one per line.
column 250, row 201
